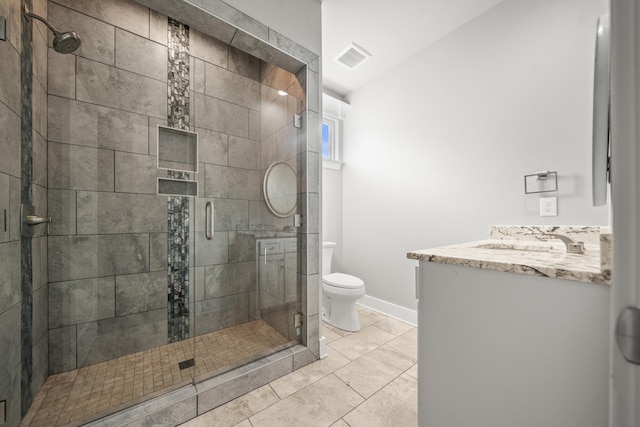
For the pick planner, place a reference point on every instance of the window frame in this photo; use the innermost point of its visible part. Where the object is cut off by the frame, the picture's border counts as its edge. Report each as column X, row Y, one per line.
column 334, row 138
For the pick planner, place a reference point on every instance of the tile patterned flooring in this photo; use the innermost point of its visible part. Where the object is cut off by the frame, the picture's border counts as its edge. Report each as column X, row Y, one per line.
column 78, row 396
column 369, row 379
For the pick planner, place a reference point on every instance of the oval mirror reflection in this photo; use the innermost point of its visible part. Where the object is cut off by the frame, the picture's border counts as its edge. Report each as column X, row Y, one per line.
column 280, row 189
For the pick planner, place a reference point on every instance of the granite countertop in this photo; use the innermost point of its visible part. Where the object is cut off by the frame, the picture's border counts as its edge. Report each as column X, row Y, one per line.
column 525, row 250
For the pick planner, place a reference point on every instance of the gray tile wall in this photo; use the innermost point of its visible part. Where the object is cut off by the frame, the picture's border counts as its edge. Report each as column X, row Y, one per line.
column 22, row 320
column 10, row 194
column 39, row 184
column 224, row 100
column 94, row 120
column 107, row 253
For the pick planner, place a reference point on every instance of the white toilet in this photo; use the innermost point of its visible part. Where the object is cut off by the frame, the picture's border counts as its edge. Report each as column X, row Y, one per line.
column 339, row 294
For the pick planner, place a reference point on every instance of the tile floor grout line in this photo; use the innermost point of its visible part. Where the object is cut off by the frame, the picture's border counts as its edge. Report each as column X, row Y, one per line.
column 355, row 391
column 406, row 349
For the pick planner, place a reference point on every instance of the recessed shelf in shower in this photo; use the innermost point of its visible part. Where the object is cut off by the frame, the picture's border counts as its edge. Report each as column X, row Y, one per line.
column 177, row 149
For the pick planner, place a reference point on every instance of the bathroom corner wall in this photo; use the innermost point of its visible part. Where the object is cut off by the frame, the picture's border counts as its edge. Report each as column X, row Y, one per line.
column 436, row 148
column 110, row 229
column 88, row 153
column 108, row 244
column 10, row 197
column 39, row 195
column 23, row 178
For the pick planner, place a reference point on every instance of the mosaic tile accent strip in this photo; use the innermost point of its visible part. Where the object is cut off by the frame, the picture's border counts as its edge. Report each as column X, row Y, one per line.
column 178, row 207
column 178, row 75
column 79, row 396
column 178, row 268
column 26, row 125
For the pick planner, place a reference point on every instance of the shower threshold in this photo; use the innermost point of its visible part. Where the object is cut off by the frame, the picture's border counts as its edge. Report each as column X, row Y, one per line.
column 77, row 397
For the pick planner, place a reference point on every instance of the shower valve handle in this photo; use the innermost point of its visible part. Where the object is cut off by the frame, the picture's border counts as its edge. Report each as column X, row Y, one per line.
column 32, row 220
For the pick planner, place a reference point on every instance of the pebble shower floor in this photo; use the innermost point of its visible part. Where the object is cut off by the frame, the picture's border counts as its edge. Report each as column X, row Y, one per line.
column 80, row 396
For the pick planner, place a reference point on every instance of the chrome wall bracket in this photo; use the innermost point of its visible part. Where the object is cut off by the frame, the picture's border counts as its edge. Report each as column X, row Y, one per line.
column 541, row 182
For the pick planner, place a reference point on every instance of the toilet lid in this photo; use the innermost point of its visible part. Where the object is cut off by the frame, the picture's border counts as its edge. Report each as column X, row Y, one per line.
column 342, row 280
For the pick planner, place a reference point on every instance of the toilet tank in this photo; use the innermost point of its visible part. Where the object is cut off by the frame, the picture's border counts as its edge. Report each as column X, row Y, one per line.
column 327, row 256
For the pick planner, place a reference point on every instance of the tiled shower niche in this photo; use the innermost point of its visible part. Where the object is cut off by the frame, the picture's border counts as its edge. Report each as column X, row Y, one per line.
column 177, row 149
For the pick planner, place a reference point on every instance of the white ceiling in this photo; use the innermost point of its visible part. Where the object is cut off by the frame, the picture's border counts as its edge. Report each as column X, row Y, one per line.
column 391, row 30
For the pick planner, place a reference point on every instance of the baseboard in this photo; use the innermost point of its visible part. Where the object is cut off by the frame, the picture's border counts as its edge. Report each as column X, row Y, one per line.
column 390, row 309
column 323, row 347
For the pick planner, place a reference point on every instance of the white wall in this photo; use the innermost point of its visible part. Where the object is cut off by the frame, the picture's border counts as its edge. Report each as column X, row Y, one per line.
column 299, row 20
column 435, row 150
column 332, row 213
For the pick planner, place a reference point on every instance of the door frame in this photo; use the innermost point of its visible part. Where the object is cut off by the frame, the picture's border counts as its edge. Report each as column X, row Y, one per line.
column 625, row 132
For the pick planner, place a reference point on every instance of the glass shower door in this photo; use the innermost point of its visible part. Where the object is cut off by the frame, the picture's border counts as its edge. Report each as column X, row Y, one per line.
column 247, row 272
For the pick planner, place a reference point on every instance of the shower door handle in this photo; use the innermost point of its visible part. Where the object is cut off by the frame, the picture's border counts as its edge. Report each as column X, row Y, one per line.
column 208, row 221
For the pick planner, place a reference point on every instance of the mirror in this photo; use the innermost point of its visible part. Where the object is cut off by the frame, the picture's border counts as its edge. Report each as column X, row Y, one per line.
column 280, row 189
column 601, row 116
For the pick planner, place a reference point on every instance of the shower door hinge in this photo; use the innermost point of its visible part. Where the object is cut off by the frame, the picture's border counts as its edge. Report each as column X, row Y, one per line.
column 297, row 320
column 297, row 323
column 297, row 121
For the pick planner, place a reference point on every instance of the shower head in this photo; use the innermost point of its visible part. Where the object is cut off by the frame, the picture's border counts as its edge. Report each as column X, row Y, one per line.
column 66, row 42
column 63, row 42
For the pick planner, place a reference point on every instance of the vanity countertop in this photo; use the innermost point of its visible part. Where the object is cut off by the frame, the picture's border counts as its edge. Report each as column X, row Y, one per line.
column 526, row 250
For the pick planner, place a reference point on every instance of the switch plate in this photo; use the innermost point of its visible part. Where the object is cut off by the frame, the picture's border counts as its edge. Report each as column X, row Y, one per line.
column 548, row 206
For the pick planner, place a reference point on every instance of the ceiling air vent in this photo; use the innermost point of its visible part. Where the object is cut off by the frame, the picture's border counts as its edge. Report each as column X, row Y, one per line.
column 353, row 56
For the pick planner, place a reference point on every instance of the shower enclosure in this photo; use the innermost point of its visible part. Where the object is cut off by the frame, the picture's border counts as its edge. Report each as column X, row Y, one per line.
column 181, row 180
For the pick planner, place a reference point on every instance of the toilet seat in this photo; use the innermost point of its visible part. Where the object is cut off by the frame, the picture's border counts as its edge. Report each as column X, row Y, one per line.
column 341, row 280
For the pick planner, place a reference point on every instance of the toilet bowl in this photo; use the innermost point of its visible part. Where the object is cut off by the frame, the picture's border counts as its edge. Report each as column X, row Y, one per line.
column 339, row 294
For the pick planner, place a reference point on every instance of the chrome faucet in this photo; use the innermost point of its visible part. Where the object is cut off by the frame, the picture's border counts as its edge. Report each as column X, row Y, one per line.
column 573, row 247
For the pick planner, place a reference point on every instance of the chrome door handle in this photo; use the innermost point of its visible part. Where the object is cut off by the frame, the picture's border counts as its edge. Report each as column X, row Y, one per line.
column 209, row 221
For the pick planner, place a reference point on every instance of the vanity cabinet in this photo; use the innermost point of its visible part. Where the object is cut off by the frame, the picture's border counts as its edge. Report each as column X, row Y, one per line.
column 498, row 349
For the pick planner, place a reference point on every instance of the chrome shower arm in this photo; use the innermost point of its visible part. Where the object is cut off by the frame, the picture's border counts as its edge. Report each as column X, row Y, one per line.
column 41, row 19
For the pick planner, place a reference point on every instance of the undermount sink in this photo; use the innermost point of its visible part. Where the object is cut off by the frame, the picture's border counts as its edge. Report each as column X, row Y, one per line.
column 515, row 246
